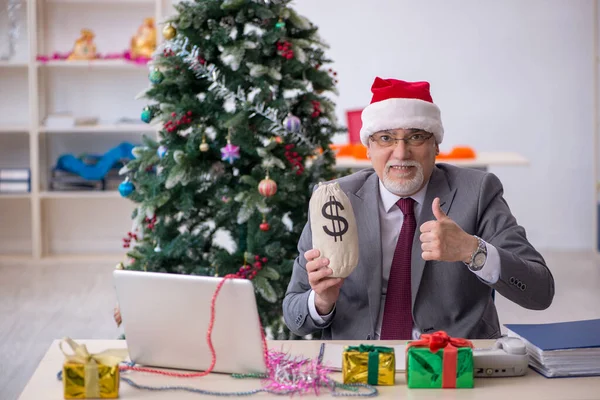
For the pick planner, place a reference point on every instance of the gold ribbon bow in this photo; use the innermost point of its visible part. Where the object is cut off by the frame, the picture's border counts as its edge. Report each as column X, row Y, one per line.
column 81, row 355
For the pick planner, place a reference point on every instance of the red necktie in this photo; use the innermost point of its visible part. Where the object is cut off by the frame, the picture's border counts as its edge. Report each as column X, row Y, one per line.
column 397, row 316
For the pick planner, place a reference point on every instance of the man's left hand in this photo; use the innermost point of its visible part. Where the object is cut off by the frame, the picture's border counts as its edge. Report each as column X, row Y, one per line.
column 444, row 240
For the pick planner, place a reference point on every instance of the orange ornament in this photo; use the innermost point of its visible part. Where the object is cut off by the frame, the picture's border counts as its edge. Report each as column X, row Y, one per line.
column 459, row 152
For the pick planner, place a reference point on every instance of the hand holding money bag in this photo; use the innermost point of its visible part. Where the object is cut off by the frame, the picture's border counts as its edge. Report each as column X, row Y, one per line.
column 334, row 231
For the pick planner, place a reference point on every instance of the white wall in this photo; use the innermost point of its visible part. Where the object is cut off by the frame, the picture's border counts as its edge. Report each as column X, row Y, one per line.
column 508, row 75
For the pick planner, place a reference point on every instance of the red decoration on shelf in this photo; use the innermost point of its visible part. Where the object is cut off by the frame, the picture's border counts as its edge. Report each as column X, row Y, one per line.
column 284, row 50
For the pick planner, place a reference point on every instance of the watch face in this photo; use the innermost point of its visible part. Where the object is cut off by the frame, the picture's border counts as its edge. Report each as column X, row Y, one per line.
column 479, row 260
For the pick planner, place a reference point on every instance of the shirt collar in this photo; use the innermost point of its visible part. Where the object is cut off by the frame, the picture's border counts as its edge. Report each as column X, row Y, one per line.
column 390, row 199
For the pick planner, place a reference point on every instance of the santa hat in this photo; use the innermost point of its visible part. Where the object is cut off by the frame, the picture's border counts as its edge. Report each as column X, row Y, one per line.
column 401, row 105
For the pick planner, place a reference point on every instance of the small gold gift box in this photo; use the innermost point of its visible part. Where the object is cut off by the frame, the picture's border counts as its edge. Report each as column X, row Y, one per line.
column 91, row 376
column 375, row 365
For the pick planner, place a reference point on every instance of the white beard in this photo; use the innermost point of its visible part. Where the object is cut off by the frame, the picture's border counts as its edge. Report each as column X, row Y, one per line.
column 403, row 188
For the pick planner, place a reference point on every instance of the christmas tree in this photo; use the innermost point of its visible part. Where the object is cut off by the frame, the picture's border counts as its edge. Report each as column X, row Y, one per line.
column 237, row 89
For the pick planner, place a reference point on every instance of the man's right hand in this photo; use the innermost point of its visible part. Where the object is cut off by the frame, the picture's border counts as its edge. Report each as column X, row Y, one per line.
column 327, row 290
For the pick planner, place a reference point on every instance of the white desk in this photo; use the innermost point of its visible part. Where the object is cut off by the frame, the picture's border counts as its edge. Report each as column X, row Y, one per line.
column 483, row 160
column 44, row 384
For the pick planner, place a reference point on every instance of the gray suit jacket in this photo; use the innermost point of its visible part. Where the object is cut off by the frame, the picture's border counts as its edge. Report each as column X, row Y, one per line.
column 445, row 295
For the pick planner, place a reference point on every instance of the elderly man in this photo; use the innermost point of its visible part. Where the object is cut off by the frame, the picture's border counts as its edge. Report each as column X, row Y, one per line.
column 435, row 240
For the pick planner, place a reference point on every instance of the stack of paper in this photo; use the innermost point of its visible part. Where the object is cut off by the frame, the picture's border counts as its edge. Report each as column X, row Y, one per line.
column 561, row 349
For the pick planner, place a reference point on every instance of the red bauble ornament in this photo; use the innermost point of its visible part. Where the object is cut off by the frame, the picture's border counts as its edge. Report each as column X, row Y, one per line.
column 264, row 226
column 267, row 187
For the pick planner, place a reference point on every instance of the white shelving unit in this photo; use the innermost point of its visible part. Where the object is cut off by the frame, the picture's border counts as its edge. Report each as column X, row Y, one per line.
column 45, row 224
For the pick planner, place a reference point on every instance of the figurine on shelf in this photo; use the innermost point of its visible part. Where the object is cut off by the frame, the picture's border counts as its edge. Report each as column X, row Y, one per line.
column 85, row 48
column 143, row 43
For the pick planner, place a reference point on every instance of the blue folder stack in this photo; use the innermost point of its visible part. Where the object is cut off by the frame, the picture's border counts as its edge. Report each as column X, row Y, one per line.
column 561, row 349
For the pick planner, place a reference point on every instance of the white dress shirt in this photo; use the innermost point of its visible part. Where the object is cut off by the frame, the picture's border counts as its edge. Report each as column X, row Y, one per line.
column 391, row 219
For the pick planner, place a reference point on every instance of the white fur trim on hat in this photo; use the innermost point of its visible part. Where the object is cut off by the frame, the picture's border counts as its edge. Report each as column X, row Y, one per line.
column 401, row 113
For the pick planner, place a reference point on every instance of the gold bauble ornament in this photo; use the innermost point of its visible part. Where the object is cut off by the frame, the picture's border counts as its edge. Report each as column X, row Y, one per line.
column 204, row 146
column 169, row 32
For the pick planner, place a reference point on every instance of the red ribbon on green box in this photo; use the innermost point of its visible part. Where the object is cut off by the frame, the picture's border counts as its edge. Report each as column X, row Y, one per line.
column 441, row 340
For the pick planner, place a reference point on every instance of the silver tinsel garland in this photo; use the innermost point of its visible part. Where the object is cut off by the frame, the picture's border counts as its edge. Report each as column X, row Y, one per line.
column 210, row 72
column 13, row 7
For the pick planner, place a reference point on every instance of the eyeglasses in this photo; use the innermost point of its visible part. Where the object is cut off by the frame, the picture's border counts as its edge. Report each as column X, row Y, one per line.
column 414, row 140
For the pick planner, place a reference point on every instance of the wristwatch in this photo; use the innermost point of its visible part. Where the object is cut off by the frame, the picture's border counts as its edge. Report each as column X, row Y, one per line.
column 479, row 256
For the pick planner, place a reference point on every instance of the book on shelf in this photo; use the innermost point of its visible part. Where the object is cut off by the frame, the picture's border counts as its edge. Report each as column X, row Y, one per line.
column 15, row 174
column 61, row 180
column 564, row 349
column 15, row 187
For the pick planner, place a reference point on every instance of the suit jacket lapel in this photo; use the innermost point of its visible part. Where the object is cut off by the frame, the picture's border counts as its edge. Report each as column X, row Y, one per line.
column 366, row 209
column 438, row 187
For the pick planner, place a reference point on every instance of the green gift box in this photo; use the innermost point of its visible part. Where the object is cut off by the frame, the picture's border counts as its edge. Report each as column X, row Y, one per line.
column 439, row 361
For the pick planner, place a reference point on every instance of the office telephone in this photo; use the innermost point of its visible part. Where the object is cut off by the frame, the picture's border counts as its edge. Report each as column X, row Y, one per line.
column 508, row 357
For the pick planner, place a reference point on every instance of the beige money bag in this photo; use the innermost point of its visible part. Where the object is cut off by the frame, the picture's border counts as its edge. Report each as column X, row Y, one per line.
column 334, row 231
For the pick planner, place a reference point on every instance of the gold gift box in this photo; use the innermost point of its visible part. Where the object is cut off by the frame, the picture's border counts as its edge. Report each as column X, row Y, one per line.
column 88, row 375
column 75, row 381
column 373, row 365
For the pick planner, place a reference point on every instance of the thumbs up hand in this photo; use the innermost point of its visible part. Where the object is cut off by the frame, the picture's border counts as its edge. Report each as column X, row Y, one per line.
column 443, row 240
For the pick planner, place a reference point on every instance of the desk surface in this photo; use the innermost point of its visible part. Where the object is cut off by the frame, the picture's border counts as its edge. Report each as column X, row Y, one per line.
column 44, row 384
column 482, row 160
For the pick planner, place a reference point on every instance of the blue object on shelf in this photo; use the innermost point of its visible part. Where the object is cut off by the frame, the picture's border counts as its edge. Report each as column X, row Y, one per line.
column 98, row 171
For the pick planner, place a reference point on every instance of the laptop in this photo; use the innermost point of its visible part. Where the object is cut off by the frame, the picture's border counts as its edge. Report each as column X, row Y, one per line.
column 166, row 318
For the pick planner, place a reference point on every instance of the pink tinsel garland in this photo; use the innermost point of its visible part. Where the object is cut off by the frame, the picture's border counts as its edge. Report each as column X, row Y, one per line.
column 295, row 375
column 126, row 55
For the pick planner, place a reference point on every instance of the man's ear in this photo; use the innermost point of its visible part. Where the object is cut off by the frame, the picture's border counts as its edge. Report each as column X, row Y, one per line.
column 437, row 149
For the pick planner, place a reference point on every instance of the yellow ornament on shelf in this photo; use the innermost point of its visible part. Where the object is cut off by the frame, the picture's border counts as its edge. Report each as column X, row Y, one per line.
column 84, row 48
column 143, row 43
column 169, row 31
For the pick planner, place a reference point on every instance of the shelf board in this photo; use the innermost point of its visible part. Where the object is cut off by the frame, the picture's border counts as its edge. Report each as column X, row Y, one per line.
column 14, row 129
column 85, row 194
column 15, row 196
column 117, row 63
column 13, row 64
column 123, row 128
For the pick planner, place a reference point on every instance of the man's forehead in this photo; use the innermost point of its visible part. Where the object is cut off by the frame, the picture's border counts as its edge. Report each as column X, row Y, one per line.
column 400, row 131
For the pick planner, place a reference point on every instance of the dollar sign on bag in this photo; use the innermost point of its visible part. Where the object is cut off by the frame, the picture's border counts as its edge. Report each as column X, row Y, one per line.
column 337, row 229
